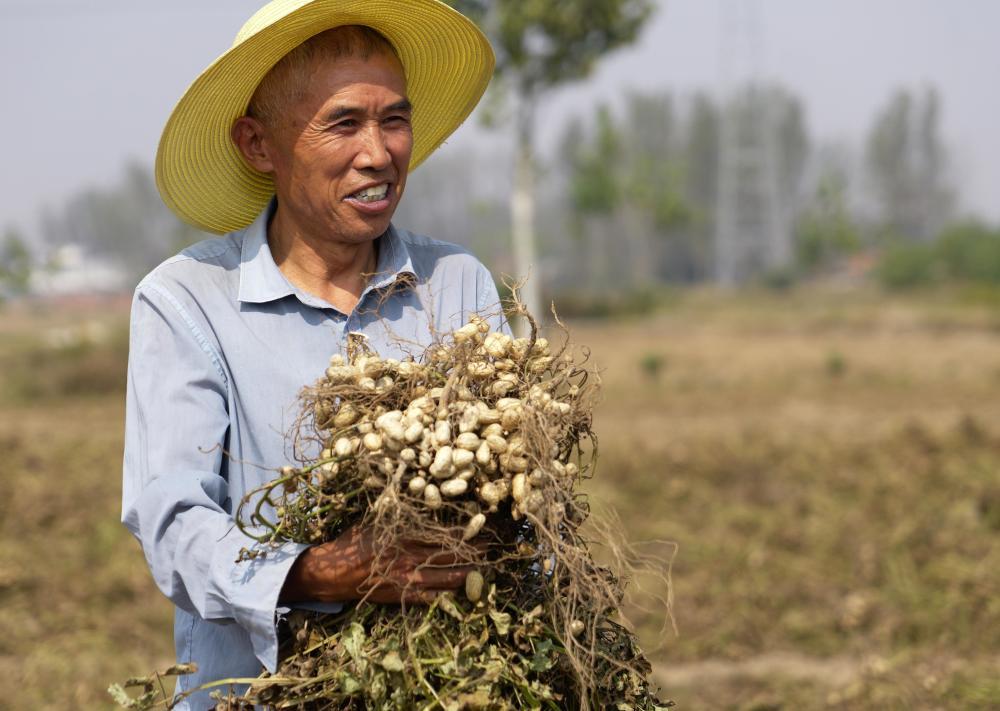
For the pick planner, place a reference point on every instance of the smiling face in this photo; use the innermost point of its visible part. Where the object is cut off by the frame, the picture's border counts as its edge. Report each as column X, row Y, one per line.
column 340, row 153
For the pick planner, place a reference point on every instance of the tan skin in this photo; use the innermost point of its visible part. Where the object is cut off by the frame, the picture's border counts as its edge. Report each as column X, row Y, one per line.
column 350, row 132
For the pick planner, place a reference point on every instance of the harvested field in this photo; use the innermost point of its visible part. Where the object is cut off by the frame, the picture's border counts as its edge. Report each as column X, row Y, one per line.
column 826, row 463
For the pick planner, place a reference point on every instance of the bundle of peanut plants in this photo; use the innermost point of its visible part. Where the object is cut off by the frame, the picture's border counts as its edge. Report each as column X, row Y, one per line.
column 477, row 448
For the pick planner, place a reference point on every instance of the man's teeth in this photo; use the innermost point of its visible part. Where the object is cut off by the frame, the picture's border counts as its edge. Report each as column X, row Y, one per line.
column 377, row 192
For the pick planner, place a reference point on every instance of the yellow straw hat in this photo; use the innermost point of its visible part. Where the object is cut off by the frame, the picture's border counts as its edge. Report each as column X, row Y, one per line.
column 200, row 173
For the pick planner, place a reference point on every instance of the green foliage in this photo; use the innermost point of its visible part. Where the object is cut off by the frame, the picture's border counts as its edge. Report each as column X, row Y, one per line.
column 826, row 231
column 970, row 252
column 907, row 163
column 15, row 264
column 905, row 266
column 587, row 304
column 967, row 253
column 651, row 364
column 779, row 278
column 542, row 43
column 594, row 184
column 836, row 364
column 631, row 161
column 654, row 173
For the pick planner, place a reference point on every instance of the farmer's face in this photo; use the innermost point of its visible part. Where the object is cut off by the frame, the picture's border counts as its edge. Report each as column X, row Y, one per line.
column 341, row 154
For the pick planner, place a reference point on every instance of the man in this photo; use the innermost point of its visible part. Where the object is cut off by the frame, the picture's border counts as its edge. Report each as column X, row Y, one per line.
column 296, row 143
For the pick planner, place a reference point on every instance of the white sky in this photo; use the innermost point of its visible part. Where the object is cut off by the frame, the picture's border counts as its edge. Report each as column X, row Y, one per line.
column 89, row 83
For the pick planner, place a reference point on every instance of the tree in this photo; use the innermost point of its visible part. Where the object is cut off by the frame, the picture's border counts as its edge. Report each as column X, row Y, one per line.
column 595, row 189
column 541, row 44
column 793, row 141
column 970, row 251
column 656, row 210
column 826, row 230
column 127, row 224
column 594, row 183
column 15, row 264
column 654, row 177
column 907, row 165
column 701, row 158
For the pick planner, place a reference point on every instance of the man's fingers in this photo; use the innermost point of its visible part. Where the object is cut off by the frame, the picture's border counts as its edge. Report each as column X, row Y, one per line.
column 417, row 573
column 431, row 557
column 431, row 554
column 421, row 597
column 427, row 548
column 413, row 595
column 439, row 578
column 442, row 558
column 401, row 585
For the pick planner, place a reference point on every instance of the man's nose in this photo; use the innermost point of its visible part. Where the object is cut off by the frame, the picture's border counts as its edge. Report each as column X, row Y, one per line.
column 373, row 153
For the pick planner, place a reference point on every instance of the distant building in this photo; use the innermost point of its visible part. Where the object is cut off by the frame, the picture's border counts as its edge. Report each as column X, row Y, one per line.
column 72, row 272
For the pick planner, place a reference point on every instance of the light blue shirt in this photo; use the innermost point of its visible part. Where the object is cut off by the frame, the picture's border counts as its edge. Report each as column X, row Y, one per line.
column 221, row 344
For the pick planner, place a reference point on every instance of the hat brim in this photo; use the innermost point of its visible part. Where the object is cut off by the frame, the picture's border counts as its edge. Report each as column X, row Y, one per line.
column 199, row 171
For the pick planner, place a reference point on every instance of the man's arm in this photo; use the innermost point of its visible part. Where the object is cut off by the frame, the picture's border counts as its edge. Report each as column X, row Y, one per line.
column 174, row 499
column 342, row 570
column 176, row 502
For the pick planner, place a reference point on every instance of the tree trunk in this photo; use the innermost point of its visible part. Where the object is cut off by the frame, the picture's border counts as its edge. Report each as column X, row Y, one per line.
column 602, row 256
column 522, row 210
column 638, row 232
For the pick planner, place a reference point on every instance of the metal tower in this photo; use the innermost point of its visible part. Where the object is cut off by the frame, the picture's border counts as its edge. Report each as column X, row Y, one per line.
column 751, row 233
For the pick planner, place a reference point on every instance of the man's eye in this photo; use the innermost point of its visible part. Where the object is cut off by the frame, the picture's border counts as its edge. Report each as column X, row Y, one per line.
column 346, row 123
column 398, row 120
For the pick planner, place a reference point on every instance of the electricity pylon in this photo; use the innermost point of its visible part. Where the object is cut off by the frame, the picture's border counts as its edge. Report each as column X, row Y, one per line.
column 751, row 233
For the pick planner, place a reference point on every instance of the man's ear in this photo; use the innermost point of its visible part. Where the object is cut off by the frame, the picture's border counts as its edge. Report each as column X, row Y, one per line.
column 250, row 138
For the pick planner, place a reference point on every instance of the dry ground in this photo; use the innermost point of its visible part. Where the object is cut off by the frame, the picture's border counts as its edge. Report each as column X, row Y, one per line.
column 830, row 468
column 826, row 463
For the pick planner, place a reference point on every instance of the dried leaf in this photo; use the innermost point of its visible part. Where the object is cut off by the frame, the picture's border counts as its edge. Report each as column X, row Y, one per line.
column 501, row 621
column 392, row 662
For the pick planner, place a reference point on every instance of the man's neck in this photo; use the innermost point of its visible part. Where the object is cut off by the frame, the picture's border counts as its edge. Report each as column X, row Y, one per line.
column 336, row 272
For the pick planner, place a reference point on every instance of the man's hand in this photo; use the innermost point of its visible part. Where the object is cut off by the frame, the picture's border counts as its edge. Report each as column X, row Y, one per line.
column 342, row 570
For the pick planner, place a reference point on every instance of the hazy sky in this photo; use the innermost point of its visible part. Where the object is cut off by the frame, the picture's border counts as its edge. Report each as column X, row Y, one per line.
column 90, row 83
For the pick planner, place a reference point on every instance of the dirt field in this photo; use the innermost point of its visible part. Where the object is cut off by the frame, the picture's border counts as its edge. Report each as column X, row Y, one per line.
column 827, row 465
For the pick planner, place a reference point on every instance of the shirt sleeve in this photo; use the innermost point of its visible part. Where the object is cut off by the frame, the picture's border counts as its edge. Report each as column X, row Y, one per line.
column 175, row 499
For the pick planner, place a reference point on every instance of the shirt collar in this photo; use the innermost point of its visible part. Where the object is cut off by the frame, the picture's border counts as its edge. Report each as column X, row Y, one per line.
column 261, row 280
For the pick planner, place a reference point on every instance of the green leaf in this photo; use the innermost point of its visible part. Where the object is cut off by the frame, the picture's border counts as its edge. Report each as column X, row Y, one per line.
column 542, row 660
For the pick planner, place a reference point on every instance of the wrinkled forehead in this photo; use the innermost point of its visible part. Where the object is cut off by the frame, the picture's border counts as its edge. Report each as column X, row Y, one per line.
column 379, row 77
column 382, row 57
column 327, row 60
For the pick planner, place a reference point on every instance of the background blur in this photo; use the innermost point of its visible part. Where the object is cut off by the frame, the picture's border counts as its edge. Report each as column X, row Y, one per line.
column 777, row 225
